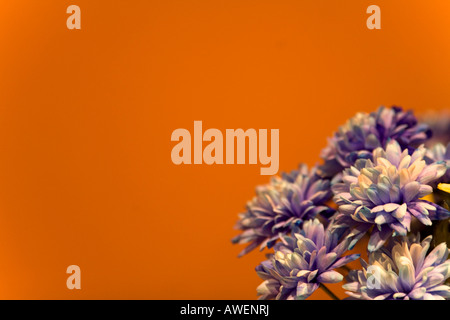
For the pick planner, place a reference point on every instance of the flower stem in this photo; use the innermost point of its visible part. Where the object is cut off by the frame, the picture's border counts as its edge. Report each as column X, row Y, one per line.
column 329, row 292
column 346, row 268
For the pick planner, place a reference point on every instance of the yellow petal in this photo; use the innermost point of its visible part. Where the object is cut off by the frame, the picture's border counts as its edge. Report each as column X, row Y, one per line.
column 428, row 197
column 444, row 187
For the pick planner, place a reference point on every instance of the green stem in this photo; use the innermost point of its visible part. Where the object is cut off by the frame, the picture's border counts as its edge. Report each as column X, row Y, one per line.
column 329, row 292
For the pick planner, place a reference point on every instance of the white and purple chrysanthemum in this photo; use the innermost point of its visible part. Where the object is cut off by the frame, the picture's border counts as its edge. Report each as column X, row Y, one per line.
column 365, row 132
column 385, row 194
column 302, row 263
column 281, row 205
column 402, row 272
column 440, row 153
column 439, row 124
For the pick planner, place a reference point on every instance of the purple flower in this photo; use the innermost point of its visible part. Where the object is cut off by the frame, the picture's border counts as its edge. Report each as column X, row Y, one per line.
column 440, row 153
column 301, row 263
column 365, row 132
column 439, row 123
column 282, row 205
column 404, row 271
column 385, row 194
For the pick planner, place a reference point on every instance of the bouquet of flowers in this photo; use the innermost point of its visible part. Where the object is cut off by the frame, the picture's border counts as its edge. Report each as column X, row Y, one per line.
column 384, row 181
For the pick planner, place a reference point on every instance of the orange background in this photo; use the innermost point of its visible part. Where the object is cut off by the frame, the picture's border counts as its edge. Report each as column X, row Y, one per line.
column 86, row 117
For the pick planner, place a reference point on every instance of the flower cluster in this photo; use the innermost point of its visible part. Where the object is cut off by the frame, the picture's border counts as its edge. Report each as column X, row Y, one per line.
column 365, row 132
column 282, row 205
column 405, row 271
column 384, row 194
column 388, row 184
column 302, row 263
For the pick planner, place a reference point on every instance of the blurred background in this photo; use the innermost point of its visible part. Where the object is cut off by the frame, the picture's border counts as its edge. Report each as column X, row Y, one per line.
column 86, row 117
